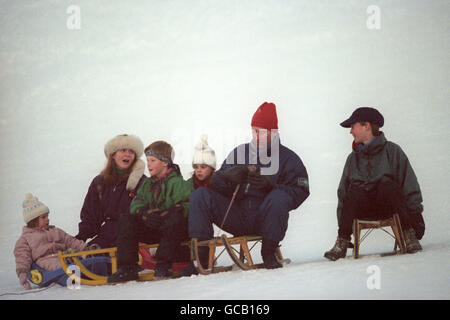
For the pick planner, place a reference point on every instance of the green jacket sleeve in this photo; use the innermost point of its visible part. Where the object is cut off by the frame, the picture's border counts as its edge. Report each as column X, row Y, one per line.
column 141, row 199
column 178, row 192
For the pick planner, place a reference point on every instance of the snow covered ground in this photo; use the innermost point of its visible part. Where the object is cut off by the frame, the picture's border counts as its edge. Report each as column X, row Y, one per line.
column 172, row 70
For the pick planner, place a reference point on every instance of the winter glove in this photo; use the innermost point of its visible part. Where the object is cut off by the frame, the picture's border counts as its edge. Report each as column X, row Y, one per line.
column 418, row 224
column 236, row 174
column 23, row 280
column 152, row 219
column 93, row 246
column 176, row 209
column 259, row 182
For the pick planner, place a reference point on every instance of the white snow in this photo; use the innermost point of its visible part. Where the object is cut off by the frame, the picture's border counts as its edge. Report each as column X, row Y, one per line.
column 173, row 70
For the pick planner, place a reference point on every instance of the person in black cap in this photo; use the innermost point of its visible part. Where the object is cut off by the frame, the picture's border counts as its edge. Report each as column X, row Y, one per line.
column 377, row 182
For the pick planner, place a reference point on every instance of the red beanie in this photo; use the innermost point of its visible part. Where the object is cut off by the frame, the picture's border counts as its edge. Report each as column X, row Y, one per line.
column 266, row 116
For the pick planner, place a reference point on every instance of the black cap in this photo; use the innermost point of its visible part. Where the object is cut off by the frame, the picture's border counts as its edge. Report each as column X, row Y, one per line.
column 368, row 114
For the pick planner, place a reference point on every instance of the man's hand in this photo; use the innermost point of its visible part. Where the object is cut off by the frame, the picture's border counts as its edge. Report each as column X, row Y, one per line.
column 237, row 174
column 259, row 181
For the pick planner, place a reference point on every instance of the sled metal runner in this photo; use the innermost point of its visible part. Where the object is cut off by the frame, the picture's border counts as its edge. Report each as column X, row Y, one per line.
column 241, row 258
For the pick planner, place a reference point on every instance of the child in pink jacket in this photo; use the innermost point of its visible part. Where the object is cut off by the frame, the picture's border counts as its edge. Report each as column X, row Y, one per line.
column 40, row 242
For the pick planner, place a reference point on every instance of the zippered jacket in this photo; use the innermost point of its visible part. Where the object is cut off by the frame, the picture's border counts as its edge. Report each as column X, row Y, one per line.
column 163, row 193
column 381, row 160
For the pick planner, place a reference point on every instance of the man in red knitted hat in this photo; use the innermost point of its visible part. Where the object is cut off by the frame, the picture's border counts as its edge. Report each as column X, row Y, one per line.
column 273, row 181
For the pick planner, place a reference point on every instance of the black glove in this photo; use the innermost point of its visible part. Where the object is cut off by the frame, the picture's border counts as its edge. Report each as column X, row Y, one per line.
column 418, row 224
column 259, row 181
column 176, row 209
column 152, row 219
column 236, row 174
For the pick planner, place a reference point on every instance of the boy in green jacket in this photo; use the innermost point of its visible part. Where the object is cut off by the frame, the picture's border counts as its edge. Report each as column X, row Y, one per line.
column 377, row 182
column 158, row 214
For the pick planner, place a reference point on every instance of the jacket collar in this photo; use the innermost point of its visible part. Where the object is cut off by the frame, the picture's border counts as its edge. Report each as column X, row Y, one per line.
column 373, row 147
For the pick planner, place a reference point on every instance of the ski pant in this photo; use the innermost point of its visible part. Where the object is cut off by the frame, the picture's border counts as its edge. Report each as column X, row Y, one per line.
column 377, row 204
column 170, row 235
column 266, row 217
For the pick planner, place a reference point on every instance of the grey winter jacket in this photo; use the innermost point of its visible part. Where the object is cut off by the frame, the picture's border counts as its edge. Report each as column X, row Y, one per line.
column 381, row 161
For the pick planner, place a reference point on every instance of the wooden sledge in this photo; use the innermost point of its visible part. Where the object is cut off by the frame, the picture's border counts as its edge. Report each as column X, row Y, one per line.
column 241, row 258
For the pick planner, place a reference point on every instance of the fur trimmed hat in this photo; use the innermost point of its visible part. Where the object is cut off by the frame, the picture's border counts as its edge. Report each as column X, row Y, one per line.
column 124, row 141
column 203, row 153
column 33, row 208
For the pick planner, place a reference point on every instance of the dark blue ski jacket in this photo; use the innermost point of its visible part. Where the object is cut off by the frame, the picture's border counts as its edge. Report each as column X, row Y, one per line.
column 286, row 169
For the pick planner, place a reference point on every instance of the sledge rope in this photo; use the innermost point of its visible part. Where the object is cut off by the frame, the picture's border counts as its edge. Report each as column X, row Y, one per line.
column 26, row 291
column 229, row 206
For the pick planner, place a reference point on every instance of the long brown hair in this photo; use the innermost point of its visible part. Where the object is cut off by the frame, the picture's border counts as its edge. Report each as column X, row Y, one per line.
column 110, row 173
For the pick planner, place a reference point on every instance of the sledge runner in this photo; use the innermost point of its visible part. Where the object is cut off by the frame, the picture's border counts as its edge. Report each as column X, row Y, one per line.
column 377, row 182
column 111, row 192
column 268, row 191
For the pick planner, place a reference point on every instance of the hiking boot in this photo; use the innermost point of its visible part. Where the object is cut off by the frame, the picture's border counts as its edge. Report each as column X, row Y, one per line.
column 339, row 250
column 412, row 244
column 162, row 269
column 190, row 270
column 124, row 273
column 268, row 249
column 203, row 255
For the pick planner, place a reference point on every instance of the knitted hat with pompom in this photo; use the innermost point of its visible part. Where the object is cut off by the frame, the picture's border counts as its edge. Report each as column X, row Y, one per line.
column 33, row 208
column 203, row 154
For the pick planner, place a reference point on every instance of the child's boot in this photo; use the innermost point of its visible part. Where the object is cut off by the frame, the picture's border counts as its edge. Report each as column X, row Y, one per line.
column 412, row 244
column 124, row 273
column 339, row 250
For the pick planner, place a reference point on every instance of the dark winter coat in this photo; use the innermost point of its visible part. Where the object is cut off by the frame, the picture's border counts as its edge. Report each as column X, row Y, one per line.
column 291, row 177
column 382, row 161
column 102, row 207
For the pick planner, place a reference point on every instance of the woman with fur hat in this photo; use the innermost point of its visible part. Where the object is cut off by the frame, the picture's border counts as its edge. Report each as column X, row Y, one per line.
column 204, row 164
column 40, row 242
column 111, row 192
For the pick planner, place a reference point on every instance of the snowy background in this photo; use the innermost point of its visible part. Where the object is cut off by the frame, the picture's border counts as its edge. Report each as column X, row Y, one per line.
column 173, row 70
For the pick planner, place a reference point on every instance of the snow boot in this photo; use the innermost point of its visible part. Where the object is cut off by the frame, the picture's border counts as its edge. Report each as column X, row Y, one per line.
column 268, row 249
column 412, row 244
column 162, row 269
column 203, row 253
column 339, row 250
column 124, row 273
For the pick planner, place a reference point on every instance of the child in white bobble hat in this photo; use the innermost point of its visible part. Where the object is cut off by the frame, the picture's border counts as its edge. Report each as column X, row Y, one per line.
column 40, row 242
column 204, row 164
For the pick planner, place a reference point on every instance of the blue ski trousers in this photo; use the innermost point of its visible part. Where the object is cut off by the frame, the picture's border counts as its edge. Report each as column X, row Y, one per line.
column 266, row 217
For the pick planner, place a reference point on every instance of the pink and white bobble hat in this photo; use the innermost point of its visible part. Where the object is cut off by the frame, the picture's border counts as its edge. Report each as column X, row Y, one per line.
column 33, row 208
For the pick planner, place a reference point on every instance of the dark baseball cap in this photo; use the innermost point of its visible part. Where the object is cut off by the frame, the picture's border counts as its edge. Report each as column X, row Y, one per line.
column 368, row 114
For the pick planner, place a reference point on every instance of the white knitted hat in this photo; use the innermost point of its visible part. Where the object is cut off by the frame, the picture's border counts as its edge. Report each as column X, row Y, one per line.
column 203, row 154
column 124, row 141
column 33, row 208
